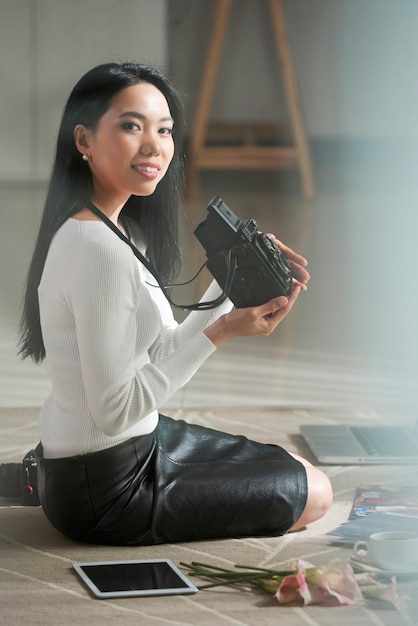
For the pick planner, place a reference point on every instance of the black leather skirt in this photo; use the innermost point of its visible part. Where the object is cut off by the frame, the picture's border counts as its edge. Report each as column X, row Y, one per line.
column 180, row 483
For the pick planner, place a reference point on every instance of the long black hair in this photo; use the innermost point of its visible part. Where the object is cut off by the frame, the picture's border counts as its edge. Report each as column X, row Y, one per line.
column 71, row 185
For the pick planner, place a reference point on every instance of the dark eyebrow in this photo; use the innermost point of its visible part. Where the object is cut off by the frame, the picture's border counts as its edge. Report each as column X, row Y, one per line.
column 142, row 117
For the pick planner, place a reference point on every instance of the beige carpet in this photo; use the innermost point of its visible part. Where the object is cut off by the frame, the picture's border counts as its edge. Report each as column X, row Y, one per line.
column 38, row 585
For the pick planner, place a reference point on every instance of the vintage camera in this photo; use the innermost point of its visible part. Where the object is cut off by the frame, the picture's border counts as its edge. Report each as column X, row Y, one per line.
column 19, row 480
column 247, row 264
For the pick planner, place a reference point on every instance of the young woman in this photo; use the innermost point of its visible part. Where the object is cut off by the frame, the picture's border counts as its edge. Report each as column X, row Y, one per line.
column 111, row 469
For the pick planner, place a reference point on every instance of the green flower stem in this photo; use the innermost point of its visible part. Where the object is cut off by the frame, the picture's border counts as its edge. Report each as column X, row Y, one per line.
column 256, row 576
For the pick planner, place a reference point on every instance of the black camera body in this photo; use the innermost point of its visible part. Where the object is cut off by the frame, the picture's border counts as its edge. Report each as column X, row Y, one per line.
column 247, row 264
column 19, row 480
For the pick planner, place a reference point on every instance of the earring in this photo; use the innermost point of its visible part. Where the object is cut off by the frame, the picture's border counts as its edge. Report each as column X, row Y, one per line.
column 85, row 157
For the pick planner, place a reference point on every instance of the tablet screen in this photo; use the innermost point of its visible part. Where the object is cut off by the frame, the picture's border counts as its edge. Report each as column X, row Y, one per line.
column 115, row 579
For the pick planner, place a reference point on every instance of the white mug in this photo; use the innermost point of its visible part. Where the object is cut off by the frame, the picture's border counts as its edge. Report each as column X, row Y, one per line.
column 392, row 550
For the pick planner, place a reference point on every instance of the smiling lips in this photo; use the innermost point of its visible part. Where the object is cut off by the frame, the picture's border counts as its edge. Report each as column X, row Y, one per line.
column 149, row 170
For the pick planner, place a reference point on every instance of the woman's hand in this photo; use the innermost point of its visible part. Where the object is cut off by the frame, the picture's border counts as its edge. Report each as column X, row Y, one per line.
column 252, row 321
column 298, row 263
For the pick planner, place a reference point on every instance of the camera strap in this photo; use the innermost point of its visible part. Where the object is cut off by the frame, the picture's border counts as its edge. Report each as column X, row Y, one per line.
column 197, row 306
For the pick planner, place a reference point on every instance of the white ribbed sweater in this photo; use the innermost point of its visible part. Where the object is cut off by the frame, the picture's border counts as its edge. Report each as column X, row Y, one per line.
column 114, row 352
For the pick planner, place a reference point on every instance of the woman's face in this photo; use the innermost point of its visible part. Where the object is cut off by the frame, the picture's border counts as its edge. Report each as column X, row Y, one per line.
column 131, row 148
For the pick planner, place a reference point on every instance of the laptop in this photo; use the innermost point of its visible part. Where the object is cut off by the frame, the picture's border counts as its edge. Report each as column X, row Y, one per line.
column 362, row 444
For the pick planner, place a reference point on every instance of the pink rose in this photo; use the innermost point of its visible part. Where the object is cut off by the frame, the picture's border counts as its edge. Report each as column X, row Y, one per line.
column 313, row 585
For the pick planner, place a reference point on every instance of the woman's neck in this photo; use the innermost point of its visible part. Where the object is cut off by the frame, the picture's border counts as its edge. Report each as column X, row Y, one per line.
column 112, row 210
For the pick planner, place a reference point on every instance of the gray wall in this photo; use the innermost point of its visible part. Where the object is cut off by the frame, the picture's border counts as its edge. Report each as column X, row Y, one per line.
column 45, row 46
column 357, row 68
column 356, row 63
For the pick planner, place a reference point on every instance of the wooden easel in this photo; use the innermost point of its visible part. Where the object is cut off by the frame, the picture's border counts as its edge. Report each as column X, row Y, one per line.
column 248, row 154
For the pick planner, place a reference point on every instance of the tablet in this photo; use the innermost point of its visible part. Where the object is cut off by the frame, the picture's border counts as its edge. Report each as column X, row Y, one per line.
column 124, row 579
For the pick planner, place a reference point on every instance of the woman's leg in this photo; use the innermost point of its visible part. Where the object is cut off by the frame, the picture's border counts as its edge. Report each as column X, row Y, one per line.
column 319, row 495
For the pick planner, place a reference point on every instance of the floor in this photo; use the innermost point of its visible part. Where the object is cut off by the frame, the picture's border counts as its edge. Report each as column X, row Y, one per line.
column 342, row 345
column 327, row 352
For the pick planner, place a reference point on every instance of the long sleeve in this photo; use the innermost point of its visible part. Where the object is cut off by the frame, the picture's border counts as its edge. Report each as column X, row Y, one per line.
column 125, row 377
column 114, row 351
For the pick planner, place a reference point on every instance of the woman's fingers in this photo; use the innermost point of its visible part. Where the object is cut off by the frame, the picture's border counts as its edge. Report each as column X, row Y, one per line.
column 289, row 253
column 279, row 307
column 297, row 261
